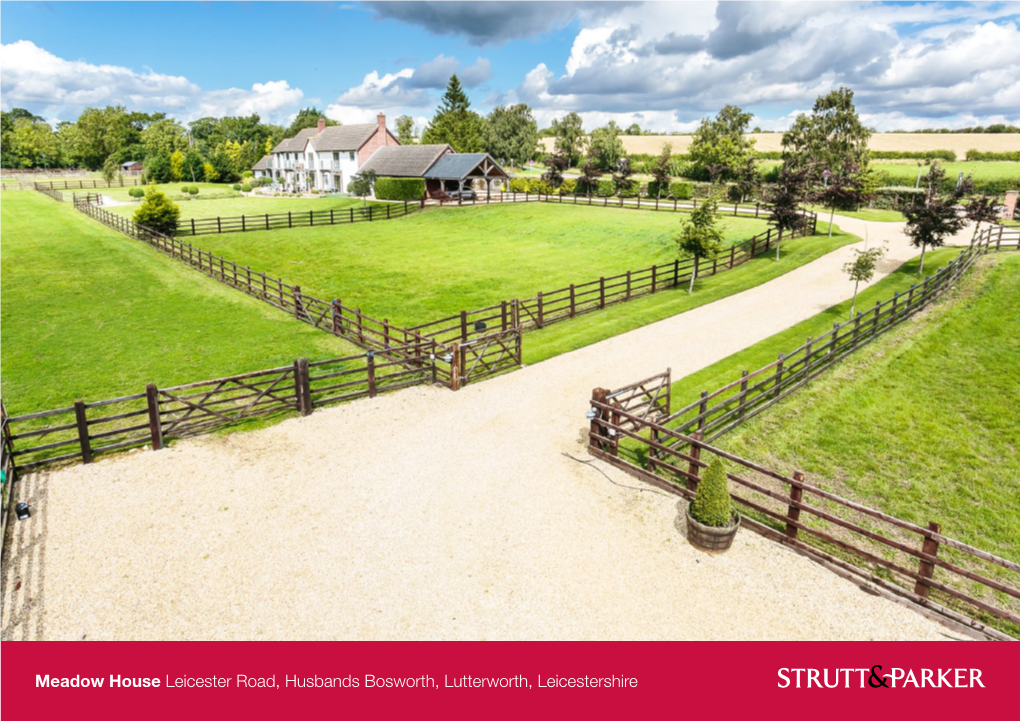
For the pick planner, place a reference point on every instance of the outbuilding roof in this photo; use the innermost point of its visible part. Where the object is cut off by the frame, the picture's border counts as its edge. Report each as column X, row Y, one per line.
column 404, row 161
column 262, row 164
column 457, row 166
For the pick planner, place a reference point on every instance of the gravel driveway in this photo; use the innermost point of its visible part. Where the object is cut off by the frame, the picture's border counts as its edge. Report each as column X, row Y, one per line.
column 427, row 514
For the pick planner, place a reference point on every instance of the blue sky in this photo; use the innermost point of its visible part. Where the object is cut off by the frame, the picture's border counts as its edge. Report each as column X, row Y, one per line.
column 663, row 65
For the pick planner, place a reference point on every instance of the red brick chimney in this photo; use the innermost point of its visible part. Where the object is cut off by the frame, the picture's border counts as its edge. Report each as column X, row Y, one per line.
column 381, row 120
column 322, row 125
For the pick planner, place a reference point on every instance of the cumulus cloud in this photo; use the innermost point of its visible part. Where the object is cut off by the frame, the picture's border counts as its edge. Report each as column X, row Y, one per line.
column 33, row 77
column 490, row 23
column 409, row 88
column 964, row 62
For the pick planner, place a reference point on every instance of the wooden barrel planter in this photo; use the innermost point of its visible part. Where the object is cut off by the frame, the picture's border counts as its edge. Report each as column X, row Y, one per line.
column 711, row 538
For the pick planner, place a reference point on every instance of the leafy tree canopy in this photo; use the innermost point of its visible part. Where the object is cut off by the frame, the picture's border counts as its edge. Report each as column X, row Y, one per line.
column 511, row 133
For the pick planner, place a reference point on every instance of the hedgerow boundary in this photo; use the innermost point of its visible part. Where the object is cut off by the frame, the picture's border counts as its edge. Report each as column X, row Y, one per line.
column 979, row 591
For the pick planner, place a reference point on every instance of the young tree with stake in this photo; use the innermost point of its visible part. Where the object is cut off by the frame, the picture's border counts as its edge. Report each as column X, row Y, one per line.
column 700, row 237
column 361, row 185
column 843, row 190
column 862, row 268
column 784, row 204
column 661, row 169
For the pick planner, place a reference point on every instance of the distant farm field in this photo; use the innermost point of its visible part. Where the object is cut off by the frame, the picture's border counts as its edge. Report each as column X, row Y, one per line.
column 959, row 143
column 89, row 313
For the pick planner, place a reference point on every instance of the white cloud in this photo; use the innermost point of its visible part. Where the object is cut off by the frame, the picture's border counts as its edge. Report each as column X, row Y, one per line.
column 665, row 60
column 33, row 77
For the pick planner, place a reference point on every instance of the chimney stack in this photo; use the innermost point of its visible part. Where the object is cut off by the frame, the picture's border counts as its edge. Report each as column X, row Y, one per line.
column 381, row 120
column 322, row 125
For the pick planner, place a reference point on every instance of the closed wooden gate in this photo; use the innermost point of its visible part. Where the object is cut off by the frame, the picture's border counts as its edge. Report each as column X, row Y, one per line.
column 490, row 354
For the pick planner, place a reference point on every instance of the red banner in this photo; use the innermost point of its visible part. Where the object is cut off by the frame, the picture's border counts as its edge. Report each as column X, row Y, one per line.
column 156, row 680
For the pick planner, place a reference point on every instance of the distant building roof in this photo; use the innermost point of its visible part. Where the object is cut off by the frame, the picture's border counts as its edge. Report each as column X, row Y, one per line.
column 130, row 163
column 457, row 166
column 343, row 137
column 404, row 161
column 263, row 163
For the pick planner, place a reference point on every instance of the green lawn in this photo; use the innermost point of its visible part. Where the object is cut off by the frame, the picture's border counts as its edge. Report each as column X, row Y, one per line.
column 88, row 313
column 233, row 207
column 921, row 424
column 173, row 190
column 444, row 260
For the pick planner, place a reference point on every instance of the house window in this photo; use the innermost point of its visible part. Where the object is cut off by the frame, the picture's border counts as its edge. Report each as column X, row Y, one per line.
column 351, row 155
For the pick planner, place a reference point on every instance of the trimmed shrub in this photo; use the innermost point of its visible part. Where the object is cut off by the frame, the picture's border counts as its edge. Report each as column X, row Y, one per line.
column 632, row 192
column 158, row 212
column 733, row 193
column 245, row 188
column 712, row 505
column 606, row 188
column 193, row 190
column 518, row 185
column 137, row 192
column 399, row 188
column 235, row 186
column 247, row 174
column 537, row 185
column 680, row 190
column 568, row 187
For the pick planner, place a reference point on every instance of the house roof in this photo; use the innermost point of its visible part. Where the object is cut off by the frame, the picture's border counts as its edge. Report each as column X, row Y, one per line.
column 130, row 162
column 295, row 144
column 262, row 164
column 404, row 161
column 457, row 166
column 343, row 137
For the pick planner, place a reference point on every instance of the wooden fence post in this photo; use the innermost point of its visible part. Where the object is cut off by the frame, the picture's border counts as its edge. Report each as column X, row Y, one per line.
column 302, row 387
column 793, row 511
column 83, row 431
column 598, row 395
column 628, row 285
column 455, row 367
column 676, row 272
column 370, row 361
column 338, row 318
column 779, row 373
column 502, row 314
column 571, row 300
column 298, row 306
column 602, row 292
column 155, row 427
column 930, row 547
column 539, row 322
column 693, row 467
column 463, row 326
column 743, row 395
column 702, row 413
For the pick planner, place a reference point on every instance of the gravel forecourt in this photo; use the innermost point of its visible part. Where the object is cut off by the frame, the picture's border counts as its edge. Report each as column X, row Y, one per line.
column 427, row 514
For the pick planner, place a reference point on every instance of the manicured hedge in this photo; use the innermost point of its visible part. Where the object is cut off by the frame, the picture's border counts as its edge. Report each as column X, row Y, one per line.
column 400, row 188
column 978, row 155
column 606, row 187
column 912, row 155
column 680, row 190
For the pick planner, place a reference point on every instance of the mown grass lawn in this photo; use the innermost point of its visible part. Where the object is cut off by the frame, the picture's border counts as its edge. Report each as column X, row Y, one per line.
column 88, row 313
column 233, row 207
column 444, row 260
column 173, row 190
column 921, row 424
column 875, row 214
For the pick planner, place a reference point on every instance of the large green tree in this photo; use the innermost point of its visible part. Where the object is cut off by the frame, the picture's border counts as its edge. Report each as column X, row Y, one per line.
column 511, row 133
column 606, row 140
column 719, row 147
column 34, row 144
column 100, row 133
column 831, row 135
column 570, row 139
column 163, row 137
column 454, row 123
column 405, row 130
column 306, row 118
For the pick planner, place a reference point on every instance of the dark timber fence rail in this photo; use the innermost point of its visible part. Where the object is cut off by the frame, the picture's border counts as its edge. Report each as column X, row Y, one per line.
column 716, row 412
column 975, row 588
column 7, row 468
column 84, row 430
column 302, row 219
column 43, row 186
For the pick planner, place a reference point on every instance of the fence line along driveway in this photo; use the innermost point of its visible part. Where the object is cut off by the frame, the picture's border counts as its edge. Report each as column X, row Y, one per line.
column 431, row 515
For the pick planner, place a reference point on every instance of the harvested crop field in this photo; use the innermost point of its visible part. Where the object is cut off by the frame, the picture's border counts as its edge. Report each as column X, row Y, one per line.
column 959, row 143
